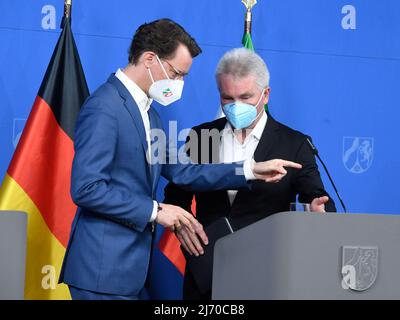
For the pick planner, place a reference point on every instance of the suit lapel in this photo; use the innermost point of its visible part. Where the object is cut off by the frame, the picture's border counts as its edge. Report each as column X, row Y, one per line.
column 134, row 112
column 268, row 139
column 132, row 108
column 155, row 123
column 219, row 125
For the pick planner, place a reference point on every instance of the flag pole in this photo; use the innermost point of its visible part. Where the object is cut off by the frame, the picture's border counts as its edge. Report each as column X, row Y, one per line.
column 67, row 13
column 247, row 42
column 247, row 21
column 249, row 4
column 67, row 8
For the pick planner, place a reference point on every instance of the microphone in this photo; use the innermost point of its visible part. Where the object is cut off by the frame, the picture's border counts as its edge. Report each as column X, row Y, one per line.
column 315, row 152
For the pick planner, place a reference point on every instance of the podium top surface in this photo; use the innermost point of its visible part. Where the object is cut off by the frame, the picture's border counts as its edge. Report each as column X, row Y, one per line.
column 303, row 255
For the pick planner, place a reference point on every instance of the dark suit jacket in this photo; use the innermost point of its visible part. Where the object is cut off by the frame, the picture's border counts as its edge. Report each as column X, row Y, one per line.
column 277, row 142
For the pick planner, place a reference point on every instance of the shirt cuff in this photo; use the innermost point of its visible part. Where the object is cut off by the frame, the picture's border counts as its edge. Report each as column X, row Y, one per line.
column 154, row 213
column 248, row 169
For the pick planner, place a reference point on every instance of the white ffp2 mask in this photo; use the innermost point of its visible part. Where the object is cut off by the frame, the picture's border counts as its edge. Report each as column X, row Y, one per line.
column 165, row 91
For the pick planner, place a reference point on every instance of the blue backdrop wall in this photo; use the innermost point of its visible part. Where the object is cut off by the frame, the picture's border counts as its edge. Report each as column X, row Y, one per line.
column 335, row 72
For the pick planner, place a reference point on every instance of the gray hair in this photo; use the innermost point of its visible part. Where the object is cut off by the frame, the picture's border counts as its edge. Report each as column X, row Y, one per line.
column 242, row 62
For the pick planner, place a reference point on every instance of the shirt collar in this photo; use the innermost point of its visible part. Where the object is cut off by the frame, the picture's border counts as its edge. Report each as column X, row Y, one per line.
column 141, row 98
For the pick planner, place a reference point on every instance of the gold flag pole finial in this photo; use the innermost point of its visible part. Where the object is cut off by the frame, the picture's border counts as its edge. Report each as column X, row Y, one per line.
column 67, row 8
column 249, row 4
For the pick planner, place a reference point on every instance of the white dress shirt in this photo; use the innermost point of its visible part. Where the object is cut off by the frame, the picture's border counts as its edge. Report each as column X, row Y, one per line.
column 231, row 150
column 143, row 102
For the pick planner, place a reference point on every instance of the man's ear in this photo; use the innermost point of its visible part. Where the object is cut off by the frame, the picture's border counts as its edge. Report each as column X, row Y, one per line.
column 267, row 91
column 148, row 58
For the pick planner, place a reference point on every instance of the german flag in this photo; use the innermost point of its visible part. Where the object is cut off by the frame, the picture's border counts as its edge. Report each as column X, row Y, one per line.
column 38, row 178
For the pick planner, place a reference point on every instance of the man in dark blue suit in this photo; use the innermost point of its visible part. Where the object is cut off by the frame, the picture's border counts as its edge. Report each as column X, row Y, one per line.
column 115, row 173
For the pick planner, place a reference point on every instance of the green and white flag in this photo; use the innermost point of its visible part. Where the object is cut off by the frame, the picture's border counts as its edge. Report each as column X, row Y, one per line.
column 246, row 40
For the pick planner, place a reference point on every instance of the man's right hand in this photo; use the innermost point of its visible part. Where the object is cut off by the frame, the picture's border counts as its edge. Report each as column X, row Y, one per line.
column 273, row 170
column 187, row 229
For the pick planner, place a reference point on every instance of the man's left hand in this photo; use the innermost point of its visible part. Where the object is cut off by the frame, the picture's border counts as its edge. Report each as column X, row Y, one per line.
column 318, row 204
column 191, row 241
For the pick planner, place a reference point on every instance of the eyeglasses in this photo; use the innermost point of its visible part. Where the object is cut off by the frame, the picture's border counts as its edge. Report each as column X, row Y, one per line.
column 177, row 74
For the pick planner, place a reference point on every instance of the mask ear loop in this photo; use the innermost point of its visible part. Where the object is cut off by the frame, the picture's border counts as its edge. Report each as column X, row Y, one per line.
column 159, row 61
column 259, row 100
column 162, row 67
column 151, row 76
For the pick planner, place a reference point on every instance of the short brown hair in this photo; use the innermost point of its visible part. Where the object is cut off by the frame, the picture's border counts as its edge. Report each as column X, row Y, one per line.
column 162, row 37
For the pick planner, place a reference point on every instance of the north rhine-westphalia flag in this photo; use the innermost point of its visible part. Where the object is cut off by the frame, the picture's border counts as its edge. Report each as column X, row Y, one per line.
column 38, row 178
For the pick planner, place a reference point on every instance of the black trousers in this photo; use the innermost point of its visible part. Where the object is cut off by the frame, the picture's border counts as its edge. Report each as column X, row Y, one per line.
column 190, row 289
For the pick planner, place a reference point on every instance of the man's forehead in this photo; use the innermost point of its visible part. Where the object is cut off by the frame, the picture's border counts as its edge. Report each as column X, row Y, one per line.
column 238, row 80
column 228, row 81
